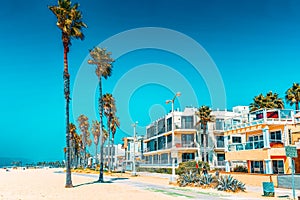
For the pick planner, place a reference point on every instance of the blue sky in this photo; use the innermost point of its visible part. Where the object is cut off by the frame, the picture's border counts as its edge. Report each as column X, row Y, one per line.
column 255, row 46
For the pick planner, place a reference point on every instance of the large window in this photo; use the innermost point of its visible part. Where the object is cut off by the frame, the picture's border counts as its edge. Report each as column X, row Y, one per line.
column 278, row 166
column 187, row 122
column 257, row 167
column 236, row 139
column 151, row 131
column 221, row 159
column 220, row 141
column 188, row 156
column 161, row 142
column 161, row 126
column 275, row 136
column 220, row 124
column 187, row 140
column 169, row 124
column 255, row 142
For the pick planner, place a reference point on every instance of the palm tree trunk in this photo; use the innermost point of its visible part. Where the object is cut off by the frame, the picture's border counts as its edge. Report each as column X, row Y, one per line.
column 96, row 151
column 111, row 152
column 66, row 77
column 204, row 142
column 108, row 144
column 297, row 106
column 101, row 131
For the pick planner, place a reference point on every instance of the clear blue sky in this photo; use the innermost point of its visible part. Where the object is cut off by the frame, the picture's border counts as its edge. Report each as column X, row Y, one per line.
column 255, row 46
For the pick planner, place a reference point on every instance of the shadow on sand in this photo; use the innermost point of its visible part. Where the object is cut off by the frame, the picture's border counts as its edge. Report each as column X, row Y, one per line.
column 98, row 182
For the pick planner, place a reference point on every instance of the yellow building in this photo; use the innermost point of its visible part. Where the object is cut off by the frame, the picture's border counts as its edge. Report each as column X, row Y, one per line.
column 259, row 142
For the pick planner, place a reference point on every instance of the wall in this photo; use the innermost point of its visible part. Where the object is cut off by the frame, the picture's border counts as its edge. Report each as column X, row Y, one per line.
column 253, row 179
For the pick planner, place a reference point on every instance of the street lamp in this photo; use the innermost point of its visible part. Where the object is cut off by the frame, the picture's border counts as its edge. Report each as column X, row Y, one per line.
column 173, row 152
column 134, row 139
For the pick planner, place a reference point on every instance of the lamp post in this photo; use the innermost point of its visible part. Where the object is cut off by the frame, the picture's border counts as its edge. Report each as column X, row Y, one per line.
column 173, row 151
column 134, row 139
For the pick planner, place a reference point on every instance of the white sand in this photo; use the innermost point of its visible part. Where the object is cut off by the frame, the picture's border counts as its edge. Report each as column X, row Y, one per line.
column 36, row 184
column 31, row 184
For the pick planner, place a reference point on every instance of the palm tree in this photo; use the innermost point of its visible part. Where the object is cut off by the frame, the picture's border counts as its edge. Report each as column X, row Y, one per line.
column 96, row 134
column 84, row 128
column 204, row 114
column 103, row 63
column 292, row 95
column 109, row 111
column 69, row 21
column 114, row 124
column 270, row 101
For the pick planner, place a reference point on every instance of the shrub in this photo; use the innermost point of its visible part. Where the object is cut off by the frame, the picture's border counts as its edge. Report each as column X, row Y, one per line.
column 190, row 166
column 206, row 180
column 228, row 183
column 188, row 179
column 240, row 168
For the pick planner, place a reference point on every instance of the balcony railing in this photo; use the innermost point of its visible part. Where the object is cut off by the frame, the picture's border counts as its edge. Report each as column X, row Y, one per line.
column 221, row 163
column 250, row 145
column 169, row 146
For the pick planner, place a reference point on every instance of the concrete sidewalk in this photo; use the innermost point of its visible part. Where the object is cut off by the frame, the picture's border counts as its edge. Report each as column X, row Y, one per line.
column 279, row 192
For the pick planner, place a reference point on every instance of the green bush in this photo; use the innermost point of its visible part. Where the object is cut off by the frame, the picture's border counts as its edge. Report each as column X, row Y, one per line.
column 240, row 168
column 190, row 166
column 155, row 170
column 228, row 183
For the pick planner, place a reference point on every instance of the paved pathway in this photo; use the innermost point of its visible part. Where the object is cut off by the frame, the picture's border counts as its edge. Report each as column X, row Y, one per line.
column 188, row 193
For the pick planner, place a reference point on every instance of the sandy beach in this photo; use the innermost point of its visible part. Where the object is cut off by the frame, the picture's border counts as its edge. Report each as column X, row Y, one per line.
column 32, row 184
column 35, row 184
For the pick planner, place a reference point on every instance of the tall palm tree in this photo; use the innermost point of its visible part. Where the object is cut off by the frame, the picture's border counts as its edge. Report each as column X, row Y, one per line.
column 204, row 114
column 83, row 123
column 109, row 111
column 69, row 21
column 271, row 100
column 114, row 124
column 96, row 134
column 103, row 63
column 292, row 95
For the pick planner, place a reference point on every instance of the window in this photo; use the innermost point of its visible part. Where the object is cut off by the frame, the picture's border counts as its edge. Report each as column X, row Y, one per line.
column 187, row 140
column 188, row 156
column 161, row 126
column 256, row 141
column 236, row 139
column 290, row 136
column 187, row 122
column 257, row 167
column 151, row 131
column 169, row 124
column 278, row 166
column 275, row 136
column 220, row 141
column 161, row 142
column 219, row 124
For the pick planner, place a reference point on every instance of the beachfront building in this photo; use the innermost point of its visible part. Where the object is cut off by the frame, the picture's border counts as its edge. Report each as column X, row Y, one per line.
column 117, row 159
column 188, row 139
column 130, row 154
column 258, row 142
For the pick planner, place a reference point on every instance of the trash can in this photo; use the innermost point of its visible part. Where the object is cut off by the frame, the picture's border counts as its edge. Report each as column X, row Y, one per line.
column 268, row 188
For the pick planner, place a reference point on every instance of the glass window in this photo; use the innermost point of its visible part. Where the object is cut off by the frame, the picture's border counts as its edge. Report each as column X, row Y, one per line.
column 219, row 124
column 236, row 139
column 169, row 124
column 187, row 122
column 275, row 136
column 220, row 141
column 161, row 126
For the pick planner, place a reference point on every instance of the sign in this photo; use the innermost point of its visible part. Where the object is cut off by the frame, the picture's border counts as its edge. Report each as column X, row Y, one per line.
column 291, row 151
column 268, row 188
column 174, row 154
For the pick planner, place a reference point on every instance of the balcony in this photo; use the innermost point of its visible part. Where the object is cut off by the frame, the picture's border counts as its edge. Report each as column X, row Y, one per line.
column 250, row 145
column 274, row 116
column 168, row 146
